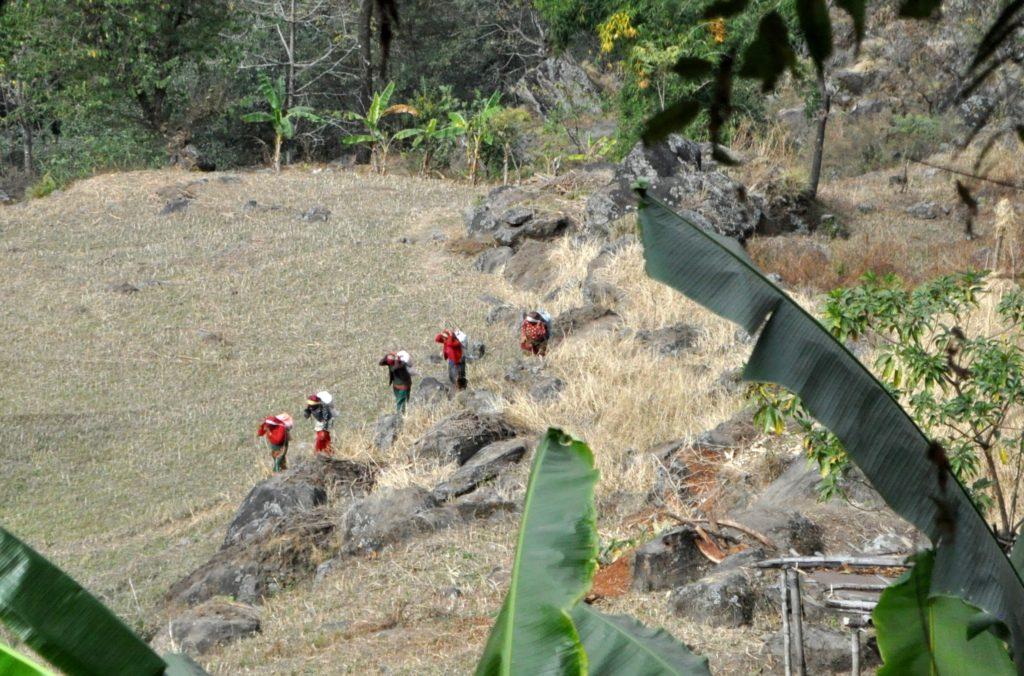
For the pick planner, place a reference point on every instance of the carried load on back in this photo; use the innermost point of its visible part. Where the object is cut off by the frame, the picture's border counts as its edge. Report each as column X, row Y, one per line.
column 276, row 429
column 318, row 407
column 535, row 330
column 399, row 376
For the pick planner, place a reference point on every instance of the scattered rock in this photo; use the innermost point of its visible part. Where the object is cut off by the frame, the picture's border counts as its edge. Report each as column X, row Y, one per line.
column 299, row 489
column 491, row 259
column 316, row 214
column 386, row 430
column 868, row 107
column 867, row 207
column 486, row 464
column 475, row 350
column 516, row 216
column 548, row 226
column 602, row 293
column 888, row 543
column 459, row 436
column 530, row 269
column 480, row 402
column 589, row 318
column 5, row 199
column 430, row 391
column 669, row 561
column 720, row 599
column 214, row 623
column 523, row 370
column 502, row 314
column 670, row 340
column 546, row 388
column 175, row 205
column 125, row 288
column 924, row 210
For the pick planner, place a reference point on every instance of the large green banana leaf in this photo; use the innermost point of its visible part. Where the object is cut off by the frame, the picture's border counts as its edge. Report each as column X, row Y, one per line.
column 63, row 622
column 795, row 351
column 554, row 562
column 617, row 644
column 13, row 663
column 922, row 635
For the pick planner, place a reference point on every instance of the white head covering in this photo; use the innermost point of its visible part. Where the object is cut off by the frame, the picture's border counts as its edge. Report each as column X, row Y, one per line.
column 325, row 396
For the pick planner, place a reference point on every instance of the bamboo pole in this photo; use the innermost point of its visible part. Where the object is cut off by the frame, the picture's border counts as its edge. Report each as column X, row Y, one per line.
column 784, row 589
column 798, row 628
column 835, row 561
column 855, row 652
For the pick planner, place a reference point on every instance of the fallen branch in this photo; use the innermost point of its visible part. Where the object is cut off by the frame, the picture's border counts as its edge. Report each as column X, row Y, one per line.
column 727, row 523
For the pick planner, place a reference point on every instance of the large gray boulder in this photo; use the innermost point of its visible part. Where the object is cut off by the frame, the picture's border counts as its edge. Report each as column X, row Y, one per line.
column 558, row 85
column 670, row 560
column 429, row 391
column 491, row 260
column 296, row 490
column 670, row 341
column 530, row 269
column 213, row 623
column 386, row 431
column 677, row 172
column 719, row 599
column 285, row 552
column 459, row 436
column 373, row 523
column 485, row 465
column 584, row 319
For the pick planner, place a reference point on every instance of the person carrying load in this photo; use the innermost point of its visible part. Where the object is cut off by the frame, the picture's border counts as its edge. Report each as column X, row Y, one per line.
column 399, row 377
column 452, row 346
column 276, row 429
column 318, row 407
column 535, row 331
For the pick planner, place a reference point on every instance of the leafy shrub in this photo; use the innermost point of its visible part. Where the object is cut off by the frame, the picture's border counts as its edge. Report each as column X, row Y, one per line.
column 963, row 386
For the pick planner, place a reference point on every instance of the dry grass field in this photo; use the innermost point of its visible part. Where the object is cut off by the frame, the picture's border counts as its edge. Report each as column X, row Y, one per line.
column 142, row 349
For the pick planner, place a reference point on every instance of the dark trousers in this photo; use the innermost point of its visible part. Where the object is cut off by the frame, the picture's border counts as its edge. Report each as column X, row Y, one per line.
column 457, row 374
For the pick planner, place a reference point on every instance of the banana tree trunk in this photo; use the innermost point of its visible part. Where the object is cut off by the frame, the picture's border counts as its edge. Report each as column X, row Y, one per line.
column 277, row 152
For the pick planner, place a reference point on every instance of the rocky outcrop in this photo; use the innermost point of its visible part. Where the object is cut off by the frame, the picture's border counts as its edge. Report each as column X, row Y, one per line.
column 670, row 341
column 485, row 465
column 459, row 436
column 678, row 173
column 491, row 260
column 386, row 431
column 286, row 551
column 213, row 623
column 558, row 85
column 585, row 319
column 371, row 524
column 719, row 599
column 429, row 391
column 670, row 560
column 511, row 215
column 530, row 268
column 296, row 490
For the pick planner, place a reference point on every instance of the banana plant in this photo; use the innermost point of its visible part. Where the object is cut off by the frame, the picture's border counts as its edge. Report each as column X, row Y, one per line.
column 65, row 625
column 544, row 627
column 909, row 471
column 375, row 134
column 476, row 130
column 281, row 120
column 430, row 136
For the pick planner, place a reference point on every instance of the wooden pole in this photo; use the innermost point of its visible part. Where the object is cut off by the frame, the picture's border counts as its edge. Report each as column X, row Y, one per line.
column 784, row 589
column 798, row 628
column 855, row 652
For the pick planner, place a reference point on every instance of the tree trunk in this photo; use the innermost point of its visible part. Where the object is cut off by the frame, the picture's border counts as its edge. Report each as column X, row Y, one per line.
column 289, row 80
column 277, row 152
column 363, row 154
column 26, row 147
column 819, row 138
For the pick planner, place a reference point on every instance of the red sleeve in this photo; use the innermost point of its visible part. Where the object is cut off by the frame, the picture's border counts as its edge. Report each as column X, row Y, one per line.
column 439, row 338
column 262, row 430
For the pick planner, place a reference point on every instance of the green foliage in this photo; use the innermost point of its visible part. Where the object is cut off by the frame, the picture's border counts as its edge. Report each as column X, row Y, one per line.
column 922, row 634
column 282, row 121
column 964, row 388
column 909, row 471
column 376, row 134
column 544, row 627
column 64, row 623
column 477, row 127
column 13, row 663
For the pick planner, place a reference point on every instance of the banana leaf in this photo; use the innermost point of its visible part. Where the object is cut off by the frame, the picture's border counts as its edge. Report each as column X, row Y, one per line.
column 794, row 350
column 63, row 622
column 921, row 635
column 13, row 663
column 554, row 562
column 617, row 644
